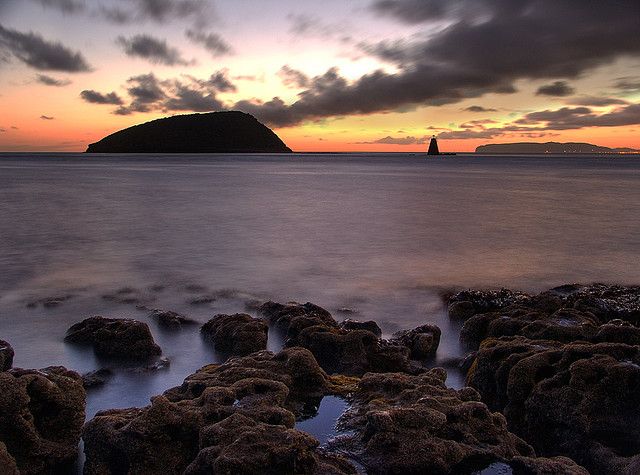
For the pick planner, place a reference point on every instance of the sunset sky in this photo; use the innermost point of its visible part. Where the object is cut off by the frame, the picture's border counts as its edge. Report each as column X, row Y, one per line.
column 335, row 75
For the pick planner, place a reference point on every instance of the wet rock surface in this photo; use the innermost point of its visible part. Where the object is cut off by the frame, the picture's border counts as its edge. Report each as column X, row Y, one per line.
column 115, row 338
column 401, row 423
column 236, row 335
column 343, row 349
column 369, row 325
column 171, row 320
column 6, row 356
column 237, row 417
column 422, row 341
column 564, row 368
column 576, row 399
column 596, row 313
column 41, row 418
column 97, row 378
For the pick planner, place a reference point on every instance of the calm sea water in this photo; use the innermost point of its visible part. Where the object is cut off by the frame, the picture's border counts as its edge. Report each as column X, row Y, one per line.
column 383, row 235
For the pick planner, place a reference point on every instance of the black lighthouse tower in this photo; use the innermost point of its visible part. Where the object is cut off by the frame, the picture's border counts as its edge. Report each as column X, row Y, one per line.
column 433, row 147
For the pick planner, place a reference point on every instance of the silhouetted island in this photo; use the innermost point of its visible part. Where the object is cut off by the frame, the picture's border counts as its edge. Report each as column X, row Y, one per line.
column 550, row 147
column 213, row 132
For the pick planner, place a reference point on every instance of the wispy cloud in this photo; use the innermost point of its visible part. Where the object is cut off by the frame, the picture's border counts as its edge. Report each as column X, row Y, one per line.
column 33, row 50
column 155, row 50
column 50, row 81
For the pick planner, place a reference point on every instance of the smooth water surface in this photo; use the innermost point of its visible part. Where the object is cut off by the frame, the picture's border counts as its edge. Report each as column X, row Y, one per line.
column 382, row 235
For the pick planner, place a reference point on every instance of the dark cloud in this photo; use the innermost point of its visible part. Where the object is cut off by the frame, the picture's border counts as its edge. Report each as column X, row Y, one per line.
column 293, row 77
column 155, row 50
column 557, row 89
column 479, row 109
column 580, row 117
column 186, row 98
column 546, row 122
column 629, row 84
column 414, row 11
column 33, row 50
column 147, row 93
column 95, row 97
column 527, row 39
column 595, row 101
column 49, row 81
column 408, row 140
column 212, row 42
column 221, row 82
column 164, row 10
column 65, row 6
column 159, row 11
column 46, row 117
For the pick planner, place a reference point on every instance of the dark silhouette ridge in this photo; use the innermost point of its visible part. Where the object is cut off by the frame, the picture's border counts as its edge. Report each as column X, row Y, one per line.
column 433, row 147
column 550, row 147
column 213, row 132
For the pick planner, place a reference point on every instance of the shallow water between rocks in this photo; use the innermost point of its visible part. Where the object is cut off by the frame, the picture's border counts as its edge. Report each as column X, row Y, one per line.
column 378, row 236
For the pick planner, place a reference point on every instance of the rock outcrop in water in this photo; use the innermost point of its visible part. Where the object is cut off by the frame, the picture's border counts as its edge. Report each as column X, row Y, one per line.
column 213, row 132
column 41, row 418
column 337, row 348
column 564, row 368
column 115, row 338
column 6, row 355
column 170, row 320
column 236, row 335
column 400, row 423
column 232, row 418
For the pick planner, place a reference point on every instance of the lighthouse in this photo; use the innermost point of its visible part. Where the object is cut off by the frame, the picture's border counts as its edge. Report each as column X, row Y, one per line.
column 433, row 147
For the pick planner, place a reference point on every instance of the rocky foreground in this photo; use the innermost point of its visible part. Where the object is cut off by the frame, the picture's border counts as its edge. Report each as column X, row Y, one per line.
column 553, row 388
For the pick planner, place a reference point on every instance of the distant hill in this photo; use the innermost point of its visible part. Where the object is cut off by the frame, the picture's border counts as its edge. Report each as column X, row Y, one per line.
column 213, row 132
column 550, row 147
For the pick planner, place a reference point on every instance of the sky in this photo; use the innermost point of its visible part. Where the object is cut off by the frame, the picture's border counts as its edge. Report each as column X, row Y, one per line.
column 336, row 75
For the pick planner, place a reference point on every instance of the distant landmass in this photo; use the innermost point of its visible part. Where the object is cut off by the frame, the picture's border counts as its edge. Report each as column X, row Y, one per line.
column 550, row 147
column 213, row 132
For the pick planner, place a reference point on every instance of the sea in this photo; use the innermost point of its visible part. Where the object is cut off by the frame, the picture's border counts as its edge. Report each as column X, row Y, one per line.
column 367, row 236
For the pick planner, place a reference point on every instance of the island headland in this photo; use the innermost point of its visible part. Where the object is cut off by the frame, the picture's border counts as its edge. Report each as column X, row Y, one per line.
column 553, row 388
column 212, row 132
column 550, row 147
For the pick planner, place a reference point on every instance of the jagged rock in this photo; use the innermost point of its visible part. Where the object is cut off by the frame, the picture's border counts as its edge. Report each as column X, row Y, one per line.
column 237, row 417
column 578, row 399
column 337, row 350
column 469, row 302
column 284, row 314
column 96, row 378
column 238, row 334
column 546, row 466
column 241, row 446
column 369, row 325
column 400, row 423
column 171, row 320
column 422, row 341
column 596, row 313
column 7, row 462
column 115, row 338
column 6, row 356
column 41, row 417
